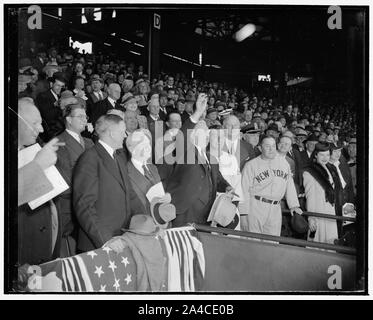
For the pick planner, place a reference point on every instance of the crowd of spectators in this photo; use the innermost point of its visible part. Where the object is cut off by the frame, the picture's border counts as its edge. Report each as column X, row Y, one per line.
column 59, row 78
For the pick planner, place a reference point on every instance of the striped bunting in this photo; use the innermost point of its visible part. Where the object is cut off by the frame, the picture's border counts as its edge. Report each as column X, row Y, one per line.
column 101, row 270
column 186, row 262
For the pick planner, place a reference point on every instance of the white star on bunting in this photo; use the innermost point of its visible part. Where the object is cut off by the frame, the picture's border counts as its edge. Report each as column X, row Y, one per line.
column 103, row 288
column 125, row 261
column 128, row 278
column 116, row 284
column 106, row 249
column 99, row 271
column 92, row 254
column 112, row 265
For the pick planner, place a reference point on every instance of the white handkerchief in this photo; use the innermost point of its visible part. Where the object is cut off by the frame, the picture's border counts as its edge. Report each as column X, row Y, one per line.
column 155, row 191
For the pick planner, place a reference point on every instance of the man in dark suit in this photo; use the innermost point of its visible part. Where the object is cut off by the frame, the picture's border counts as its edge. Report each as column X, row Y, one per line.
column 47, row 103
column 306, row 154
column 344, row 173
column 101, row 197
column 75, row 121
column 96, row 95
column 251, row 134
column 103, row 106
column 163, row 100
column 165, row 161
column 188, row 110
column 156, row 125
column 295, row 157
column 196, row 177
column 38, row 229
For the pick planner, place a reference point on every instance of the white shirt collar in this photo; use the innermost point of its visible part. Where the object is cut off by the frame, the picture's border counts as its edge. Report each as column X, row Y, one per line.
column 109, row 149
column 97, row 94
column 111, row 101
column 138, row 165
column 154, row 118
column 75, row 135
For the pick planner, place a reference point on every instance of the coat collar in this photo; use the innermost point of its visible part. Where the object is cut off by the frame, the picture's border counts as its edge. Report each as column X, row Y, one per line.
column 111, row 165
column 72, row 143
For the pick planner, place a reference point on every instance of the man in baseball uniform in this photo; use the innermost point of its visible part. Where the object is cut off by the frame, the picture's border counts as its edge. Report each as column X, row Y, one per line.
column 265, row 181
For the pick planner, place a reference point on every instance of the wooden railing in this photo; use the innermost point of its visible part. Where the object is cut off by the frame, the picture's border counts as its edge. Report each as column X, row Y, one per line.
column 281, row 240
column 323, row 215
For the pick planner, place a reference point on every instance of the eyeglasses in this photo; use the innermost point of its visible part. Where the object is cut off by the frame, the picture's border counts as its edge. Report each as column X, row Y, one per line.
column 81, row 117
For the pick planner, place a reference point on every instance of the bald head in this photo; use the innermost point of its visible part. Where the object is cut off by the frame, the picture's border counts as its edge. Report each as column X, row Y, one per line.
column 114, row 91
column 29, row 122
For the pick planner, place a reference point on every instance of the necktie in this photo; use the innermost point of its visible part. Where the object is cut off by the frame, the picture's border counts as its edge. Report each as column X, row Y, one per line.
column 148, row 175
column 117, row 160
column 82, row 143
column 100, row 96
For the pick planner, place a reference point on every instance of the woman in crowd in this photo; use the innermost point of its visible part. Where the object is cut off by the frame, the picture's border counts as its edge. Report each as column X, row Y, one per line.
column 322, row 186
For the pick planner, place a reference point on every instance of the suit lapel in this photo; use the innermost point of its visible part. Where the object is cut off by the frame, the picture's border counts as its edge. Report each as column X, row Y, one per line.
column 139, row 183
column 94, row 98
column 51, row 96
column 110, row 164
column 74, row 145
column 154, row 172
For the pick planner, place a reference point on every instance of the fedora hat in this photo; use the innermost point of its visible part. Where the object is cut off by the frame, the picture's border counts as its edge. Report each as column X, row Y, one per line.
column 312, row 137
column 250, row 128
column 273, row 127
column 211, row 110
column 322, row 146
column 162, row 212
column 223, row 211
column 301, row 132
column 336, row 146
column 299, row 224
column 142, row 224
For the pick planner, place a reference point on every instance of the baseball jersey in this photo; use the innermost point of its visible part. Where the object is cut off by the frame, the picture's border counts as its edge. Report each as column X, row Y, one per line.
column 270, row 179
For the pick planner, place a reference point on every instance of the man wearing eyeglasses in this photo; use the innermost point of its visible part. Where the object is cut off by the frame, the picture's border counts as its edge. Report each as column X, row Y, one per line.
column 75, row 121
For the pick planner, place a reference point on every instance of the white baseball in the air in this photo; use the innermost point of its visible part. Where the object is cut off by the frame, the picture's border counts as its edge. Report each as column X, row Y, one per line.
column 244, row 32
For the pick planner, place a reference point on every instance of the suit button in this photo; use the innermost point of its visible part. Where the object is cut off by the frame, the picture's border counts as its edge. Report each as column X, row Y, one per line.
column 42, row 229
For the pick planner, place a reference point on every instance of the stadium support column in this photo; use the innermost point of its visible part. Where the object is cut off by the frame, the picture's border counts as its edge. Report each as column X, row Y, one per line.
column 360, row 66
column 153, row 44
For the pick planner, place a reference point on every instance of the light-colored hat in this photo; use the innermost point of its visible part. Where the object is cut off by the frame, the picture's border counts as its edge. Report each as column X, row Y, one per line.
column 162, row 213
column 223, row 211
column 143, row 224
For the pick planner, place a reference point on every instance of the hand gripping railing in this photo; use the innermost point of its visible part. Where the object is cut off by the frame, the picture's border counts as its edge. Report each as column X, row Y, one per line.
column 282, row 240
